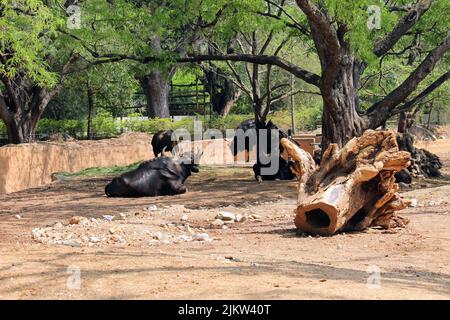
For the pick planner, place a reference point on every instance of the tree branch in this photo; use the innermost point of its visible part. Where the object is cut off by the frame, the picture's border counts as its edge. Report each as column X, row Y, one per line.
column 4, row 113
column 383, row 45
column 385, row 106
column 295, row 24
column 306, row 76
column 326, row 41
column 427, row 91
column 288, row 94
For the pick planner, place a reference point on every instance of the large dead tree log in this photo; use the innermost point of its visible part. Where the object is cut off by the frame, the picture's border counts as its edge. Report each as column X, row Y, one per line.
column 354, row 188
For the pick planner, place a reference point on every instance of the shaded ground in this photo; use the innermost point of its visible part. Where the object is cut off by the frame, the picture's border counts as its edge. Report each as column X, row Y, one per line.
column 258, row 259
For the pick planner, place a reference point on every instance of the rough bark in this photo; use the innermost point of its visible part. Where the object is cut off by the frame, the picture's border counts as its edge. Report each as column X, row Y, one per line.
column 156, row 88
column 354, row 188
column 23, row 103
column 22, row 116
column 90, row 99
column 223, row 92
column 156, row 85
column 341, row 120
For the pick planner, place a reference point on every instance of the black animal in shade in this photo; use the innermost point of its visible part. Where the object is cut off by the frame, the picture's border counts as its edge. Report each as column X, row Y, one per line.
column 162, row 141
column 162, row 176
column 250, row 127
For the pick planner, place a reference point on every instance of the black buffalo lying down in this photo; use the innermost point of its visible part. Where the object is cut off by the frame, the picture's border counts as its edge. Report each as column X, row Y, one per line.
column 158, row 177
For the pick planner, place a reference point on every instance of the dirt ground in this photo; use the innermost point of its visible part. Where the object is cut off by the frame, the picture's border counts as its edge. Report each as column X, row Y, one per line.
column 139, row 254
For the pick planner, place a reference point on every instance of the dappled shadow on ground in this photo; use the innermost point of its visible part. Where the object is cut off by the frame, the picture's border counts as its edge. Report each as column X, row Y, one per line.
column 212, row 187
column 115, row 264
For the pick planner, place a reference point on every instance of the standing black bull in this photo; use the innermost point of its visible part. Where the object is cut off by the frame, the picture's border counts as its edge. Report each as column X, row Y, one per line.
column 158, row 177
column 251, row 128
column 162, row 140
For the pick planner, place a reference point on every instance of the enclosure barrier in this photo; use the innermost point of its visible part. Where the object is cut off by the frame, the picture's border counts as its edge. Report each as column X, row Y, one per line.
column 31, row 165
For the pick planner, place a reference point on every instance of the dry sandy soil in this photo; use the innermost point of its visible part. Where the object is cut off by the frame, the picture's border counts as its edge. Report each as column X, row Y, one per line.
column 139, row 255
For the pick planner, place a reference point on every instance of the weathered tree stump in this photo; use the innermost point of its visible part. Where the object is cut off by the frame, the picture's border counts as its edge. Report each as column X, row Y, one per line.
column 354, row 187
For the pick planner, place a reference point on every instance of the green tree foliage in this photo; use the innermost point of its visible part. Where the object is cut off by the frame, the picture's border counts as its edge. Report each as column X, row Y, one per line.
column 364, row 75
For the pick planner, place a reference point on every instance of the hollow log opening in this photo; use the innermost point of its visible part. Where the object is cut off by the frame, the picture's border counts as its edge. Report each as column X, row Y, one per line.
column 317, row 218
column 354, row 187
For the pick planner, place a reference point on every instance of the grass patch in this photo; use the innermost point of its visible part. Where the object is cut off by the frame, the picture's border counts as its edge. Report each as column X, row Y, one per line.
column 98, row 171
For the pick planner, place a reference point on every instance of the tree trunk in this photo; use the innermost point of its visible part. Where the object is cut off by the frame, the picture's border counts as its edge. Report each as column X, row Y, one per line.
column 21, row 127
column 223, row 92
column 156, row 89
column 354, row 188
column 340, row 119
column 405, row 121
column 90, row 99
column 22, row 113
column 429, row 116
column 402, row 122
column 16, row 133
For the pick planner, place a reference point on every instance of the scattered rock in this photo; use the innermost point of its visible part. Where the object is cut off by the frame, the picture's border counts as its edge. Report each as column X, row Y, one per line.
column 218, row 223
column 160, row 236
column 113, row 230
column 76, row 220
column 116, row 238
column 36, row 233
column 152, row 208
column 226, row 216
column 17, row 216
column 94, row 239
column 240, row 218
column 57, row 225
column 108, row 217
column 71, row 243
column 201, row 237
column 255, row 216
column 184, row 217
column 413, row 203
column 189, row 230
column 185, row 238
